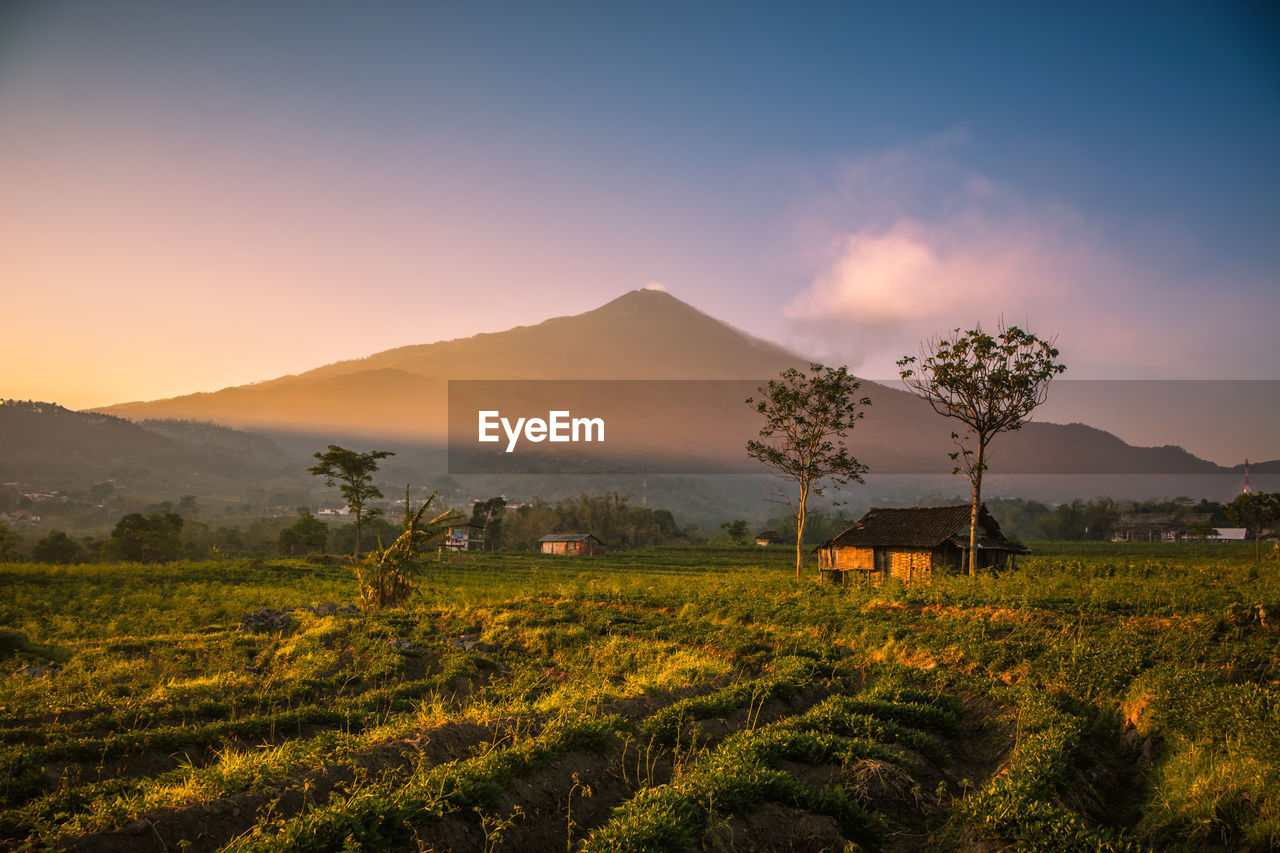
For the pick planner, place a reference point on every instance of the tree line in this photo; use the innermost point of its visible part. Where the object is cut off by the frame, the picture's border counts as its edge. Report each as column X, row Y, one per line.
column 162, row 535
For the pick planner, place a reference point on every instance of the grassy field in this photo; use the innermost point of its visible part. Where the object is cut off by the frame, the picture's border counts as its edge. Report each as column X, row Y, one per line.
column 1099, row 698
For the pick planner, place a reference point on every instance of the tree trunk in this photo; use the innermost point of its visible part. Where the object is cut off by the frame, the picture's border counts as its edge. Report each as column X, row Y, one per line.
column 356, row 553
column 973, row 510
column 800, row 514
column 973, row 530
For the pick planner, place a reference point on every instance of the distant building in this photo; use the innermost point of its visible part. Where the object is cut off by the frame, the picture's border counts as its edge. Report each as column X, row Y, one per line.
column 1230, row 534
column 911, row 543
column 766, row 538
column 574, row 544
column 465, row 537
column 1157, row 526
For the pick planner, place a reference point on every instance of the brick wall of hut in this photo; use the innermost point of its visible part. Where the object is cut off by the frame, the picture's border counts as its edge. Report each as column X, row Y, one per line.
column 909, row 565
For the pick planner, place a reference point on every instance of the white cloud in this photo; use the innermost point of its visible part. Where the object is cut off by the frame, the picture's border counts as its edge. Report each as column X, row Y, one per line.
column 909, row 245
column 656, row 285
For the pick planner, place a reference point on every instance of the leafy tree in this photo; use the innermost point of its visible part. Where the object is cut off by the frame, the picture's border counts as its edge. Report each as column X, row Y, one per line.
column 99, row 492
column 819, row 526
column 306, row 535
column 1018, row 519
column 187, row 506
column 607, row 516
column 153, row 538
column 736, row 530
column 1200, row 531
column 1255, row 510
column 1079, row 520
column 991, row 384
column 342, row 538
column 8, row 542
column 57, row 547
column 488, row 515
column 386, row 575
column 352, row 472
column 807, row 418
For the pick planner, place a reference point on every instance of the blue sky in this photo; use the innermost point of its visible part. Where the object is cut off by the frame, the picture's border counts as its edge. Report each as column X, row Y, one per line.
column 254, row 189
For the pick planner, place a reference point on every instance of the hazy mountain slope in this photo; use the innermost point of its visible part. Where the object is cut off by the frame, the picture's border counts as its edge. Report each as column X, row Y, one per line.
column 50, row 446
column 35, row 435
column 401, row 394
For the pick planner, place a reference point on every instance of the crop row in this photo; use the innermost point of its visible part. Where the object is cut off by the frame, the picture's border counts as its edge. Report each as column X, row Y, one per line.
column 22, row 767
column 740, row 774
column 377, row 815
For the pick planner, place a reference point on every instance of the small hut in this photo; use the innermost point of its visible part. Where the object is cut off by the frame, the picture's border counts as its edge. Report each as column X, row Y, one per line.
column 911, row 543
column 768, row 537
column 574, row 544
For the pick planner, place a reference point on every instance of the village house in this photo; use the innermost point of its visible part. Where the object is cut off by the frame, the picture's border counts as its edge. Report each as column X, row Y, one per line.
column 911, row 543
column 574, row 544
column 19, row 516
column 1157, row 526
column 768, row 537
column 465, row 537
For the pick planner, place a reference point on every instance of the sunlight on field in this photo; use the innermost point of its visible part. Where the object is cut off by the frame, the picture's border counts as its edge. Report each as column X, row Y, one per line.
column 1103, row 697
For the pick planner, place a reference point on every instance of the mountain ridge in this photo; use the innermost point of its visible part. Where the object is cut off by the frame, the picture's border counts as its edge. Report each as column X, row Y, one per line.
column 401, row 393
column 643, row 334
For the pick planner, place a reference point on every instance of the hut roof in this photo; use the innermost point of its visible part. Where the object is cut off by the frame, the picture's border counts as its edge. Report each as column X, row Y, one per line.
column 1168, row 520
column 568, row 537
column 920, row 527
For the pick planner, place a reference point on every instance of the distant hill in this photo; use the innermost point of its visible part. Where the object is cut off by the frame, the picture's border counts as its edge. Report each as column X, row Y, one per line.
column 47, row 444
column 37, row 435
column 400, row 394
column 1269, row 467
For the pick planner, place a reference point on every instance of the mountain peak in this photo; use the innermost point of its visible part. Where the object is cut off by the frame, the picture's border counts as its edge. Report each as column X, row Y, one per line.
column 642, row 297
column 642, row 334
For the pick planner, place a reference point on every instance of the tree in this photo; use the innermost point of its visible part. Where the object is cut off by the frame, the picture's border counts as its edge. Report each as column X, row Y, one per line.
column 488, row 515
column 187, row 506
column 99, row 492
column 57, row 547
column 1255, row 510
column 1200, row 531
column 736, row 530
column 306, row 535
column 385, row 576
column 153, row 538
column 991, row 384
column 8, row 542
column 807, row 418
column 353, row 473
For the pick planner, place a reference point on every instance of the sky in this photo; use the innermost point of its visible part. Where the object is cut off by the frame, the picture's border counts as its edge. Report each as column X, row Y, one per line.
column 199, row 195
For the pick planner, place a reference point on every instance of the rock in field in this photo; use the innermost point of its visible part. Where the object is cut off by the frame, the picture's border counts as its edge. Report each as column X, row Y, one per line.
column 265, row 619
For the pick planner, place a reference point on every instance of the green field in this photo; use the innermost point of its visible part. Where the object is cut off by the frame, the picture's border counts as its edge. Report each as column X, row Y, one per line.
column 1099, row 698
